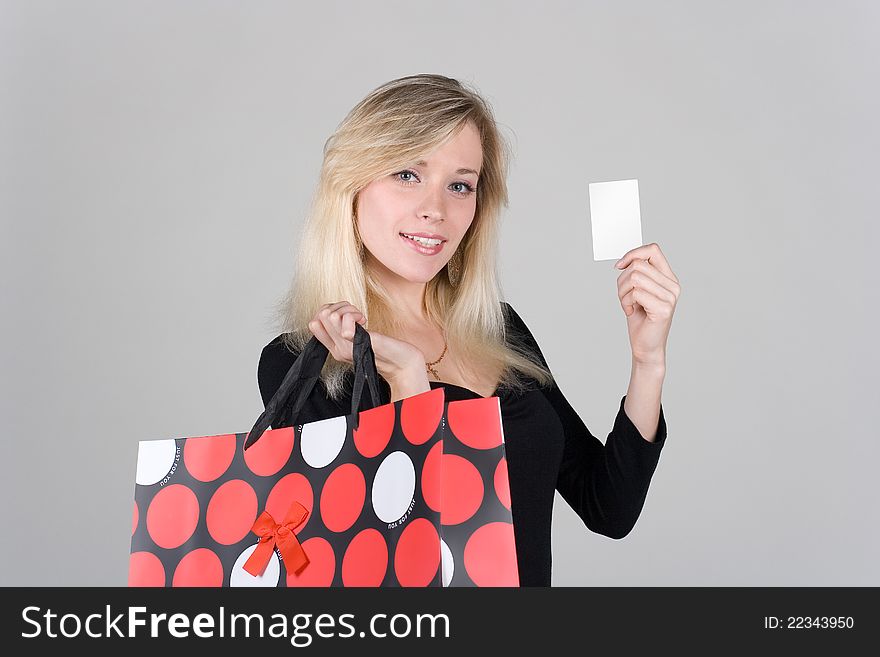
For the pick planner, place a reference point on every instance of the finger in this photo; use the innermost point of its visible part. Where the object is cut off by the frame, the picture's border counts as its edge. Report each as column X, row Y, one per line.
column 340, row 348
column 348, row 321
column 324, row 315
column 630, row 303
column 649, row 294
column 640, row 252
column 642, row 274
column 641, row 297
column 348, row 316
column 633, row 299
column 333, row 306
column 340, row 307
column 650, row 252
column 339, row 322
column 318, row 330
column 330, row 307
column 334, row 313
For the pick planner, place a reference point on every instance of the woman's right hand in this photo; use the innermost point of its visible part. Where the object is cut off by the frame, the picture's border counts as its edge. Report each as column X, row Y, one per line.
column 397, row 361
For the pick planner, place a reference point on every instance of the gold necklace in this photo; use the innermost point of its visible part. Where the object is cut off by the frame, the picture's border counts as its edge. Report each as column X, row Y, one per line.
column 429, row 365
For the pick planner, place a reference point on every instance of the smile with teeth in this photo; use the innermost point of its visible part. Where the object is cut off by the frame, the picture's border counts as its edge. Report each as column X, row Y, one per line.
column 424, row 241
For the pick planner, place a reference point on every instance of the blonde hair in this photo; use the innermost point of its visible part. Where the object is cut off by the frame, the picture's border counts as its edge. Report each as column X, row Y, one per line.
column 391, row 127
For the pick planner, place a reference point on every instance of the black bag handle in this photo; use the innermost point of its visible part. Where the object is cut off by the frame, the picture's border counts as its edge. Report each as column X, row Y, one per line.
column 304, row 374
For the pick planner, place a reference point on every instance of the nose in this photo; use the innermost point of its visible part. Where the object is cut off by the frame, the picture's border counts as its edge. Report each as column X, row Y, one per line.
column 431, row 208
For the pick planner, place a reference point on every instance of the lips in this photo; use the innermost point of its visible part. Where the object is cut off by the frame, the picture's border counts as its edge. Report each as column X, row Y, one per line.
column 430, row 236
column 420, row 248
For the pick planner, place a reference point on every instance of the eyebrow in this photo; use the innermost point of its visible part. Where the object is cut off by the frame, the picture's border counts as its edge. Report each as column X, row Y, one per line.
column 424, row 164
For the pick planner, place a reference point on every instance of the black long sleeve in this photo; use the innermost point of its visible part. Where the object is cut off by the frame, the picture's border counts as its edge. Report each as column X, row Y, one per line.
column 548, row 448
column 606, row 485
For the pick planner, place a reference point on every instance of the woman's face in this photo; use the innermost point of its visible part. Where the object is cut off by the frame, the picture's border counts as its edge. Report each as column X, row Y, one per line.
column 435, row 197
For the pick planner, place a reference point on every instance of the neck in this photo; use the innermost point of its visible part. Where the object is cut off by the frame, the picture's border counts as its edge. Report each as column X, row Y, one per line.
column 408, row 296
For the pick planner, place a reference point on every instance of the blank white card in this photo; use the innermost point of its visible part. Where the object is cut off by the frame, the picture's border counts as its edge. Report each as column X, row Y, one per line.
column 615, row 217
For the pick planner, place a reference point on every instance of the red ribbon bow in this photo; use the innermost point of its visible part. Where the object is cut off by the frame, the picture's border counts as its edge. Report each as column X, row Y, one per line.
column 282, row 535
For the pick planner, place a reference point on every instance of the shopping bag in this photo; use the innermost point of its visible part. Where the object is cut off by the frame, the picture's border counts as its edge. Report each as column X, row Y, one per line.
column 356, row 500
column 476, row 524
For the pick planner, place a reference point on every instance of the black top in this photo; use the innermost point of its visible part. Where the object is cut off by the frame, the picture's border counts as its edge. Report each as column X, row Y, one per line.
column 547, row 445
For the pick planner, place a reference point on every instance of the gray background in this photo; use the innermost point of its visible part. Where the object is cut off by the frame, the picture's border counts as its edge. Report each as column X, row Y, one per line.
column 156, row 163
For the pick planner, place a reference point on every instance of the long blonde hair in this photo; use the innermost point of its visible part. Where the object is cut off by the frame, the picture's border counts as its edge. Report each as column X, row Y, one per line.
column 391, row 127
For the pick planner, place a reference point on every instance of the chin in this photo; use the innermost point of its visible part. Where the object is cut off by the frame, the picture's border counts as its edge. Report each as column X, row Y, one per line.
column 414, row 275
column 427, row 278
column 417, row 277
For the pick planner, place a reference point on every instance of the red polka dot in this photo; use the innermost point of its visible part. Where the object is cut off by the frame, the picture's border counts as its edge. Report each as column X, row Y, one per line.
column 365, row 560
column 209, row 457
column 291, row 488
column 490, row 556
column 231, row 512
column 417, row 556
column 321, row 566
column 342, row 498
column 502, row 483
column 269, row 454
column 374, row 430
column 134, row 518
column 145, row 569
column 476, row 422
column 200, row 567
column 420, row 415
column 431, row 476
column 172, row 516
column 462, row 490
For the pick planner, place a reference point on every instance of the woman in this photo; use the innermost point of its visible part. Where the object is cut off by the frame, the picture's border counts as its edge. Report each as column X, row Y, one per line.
column 402, row 238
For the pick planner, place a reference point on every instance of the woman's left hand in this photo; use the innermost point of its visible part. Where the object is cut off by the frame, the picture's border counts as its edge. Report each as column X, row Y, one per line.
column 648, row 292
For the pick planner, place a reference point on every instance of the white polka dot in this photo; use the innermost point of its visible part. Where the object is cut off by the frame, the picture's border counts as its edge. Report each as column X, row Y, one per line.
column 323, row 440
column 393, row 487
column 447, row 563
column 155, row 458
column 241, row 577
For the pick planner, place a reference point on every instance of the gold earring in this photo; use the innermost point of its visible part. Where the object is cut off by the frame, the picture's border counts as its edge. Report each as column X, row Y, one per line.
column 453, row 268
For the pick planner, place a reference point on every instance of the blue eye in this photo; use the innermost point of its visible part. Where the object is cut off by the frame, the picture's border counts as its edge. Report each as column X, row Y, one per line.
column 470, row 188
